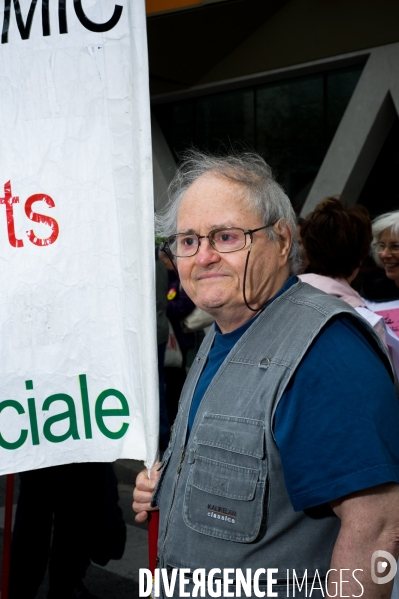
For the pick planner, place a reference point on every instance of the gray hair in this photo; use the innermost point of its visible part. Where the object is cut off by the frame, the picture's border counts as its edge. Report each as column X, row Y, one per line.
column 389, row 220
column 264, row 194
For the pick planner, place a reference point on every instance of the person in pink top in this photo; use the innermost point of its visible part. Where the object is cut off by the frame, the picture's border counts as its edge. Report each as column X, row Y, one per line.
column 337, row 239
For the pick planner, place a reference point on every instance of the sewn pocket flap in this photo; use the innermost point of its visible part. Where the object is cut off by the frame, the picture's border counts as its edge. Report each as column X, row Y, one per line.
column 240, row 435
column 225, row 480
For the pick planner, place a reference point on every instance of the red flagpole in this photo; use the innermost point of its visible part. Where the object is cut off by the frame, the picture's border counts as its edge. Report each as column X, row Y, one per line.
column 153, row 525
column 7, row 535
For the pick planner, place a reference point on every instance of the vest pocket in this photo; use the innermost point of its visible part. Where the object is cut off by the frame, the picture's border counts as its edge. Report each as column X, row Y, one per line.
column 243, row 436
column 223, row 500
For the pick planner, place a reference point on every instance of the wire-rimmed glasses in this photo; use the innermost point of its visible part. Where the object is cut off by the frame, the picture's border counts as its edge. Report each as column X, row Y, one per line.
column 224, row 240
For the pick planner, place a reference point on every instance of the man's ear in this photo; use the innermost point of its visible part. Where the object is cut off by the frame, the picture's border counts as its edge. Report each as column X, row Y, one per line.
column 284, row 232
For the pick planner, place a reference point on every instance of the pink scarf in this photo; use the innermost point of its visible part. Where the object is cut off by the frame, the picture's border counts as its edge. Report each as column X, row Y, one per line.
column 335, row 287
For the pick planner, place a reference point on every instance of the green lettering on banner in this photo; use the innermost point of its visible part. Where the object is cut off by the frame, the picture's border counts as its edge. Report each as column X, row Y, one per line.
column 32, row 415
column 102, row 413
column 85, row 405
column 70, row 413
column 11, row 403
column 33, row 421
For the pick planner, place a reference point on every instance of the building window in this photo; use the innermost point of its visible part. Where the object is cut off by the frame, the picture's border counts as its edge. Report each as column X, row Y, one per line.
column 290, row 123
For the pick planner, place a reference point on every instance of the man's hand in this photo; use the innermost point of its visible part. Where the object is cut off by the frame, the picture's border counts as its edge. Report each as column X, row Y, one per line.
column 142, row 494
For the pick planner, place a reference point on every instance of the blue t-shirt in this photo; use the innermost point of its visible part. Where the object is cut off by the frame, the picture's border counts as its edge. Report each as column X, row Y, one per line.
column 339, row 416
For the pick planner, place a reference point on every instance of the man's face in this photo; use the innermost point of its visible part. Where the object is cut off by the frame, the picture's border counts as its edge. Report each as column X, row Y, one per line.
column 214, row 281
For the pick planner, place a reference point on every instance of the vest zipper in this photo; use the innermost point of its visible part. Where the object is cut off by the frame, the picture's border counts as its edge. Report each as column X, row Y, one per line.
column 179, row 467
column 183, row 453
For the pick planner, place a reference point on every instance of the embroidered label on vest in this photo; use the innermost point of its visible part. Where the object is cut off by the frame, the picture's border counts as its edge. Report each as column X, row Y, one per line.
column 222, row 513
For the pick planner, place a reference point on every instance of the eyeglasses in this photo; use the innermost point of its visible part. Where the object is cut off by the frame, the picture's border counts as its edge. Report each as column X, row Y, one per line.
column 393, row 248
column 229, row 239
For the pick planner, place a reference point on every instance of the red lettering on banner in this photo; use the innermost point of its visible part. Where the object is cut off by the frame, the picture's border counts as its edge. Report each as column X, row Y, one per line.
column 41, row 218
column 8, row 200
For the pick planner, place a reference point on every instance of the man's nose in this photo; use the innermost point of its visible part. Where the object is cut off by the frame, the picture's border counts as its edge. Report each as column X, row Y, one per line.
column 206, row 253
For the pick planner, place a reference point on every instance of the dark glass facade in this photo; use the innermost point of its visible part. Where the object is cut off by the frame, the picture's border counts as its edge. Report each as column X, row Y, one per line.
column 381, row 191
column 290, row 123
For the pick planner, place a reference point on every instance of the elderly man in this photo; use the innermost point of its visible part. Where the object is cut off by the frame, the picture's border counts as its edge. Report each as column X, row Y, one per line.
column 285, row 451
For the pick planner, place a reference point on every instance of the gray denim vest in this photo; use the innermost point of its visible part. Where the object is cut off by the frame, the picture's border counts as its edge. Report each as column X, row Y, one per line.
column 222, row 498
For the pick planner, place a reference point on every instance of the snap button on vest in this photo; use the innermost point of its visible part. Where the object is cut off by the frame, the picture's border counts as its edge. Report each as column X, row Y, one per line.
column 264, row 363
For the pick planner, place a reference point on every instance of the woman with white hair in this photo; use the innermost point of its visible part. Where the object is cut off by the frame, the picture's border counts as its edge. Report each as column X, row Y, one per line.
column 385, row 251
column 382, row 294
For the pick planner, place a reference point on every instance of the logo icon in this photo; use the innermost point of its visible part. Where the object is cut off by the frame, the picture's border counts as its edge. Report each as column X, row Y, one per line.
column 382, row 566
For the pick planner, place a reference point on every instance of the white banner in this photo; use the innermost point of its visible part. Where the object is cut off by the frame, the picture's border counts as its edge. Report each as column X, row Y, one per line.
column 77, row 309
column 390, row 313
